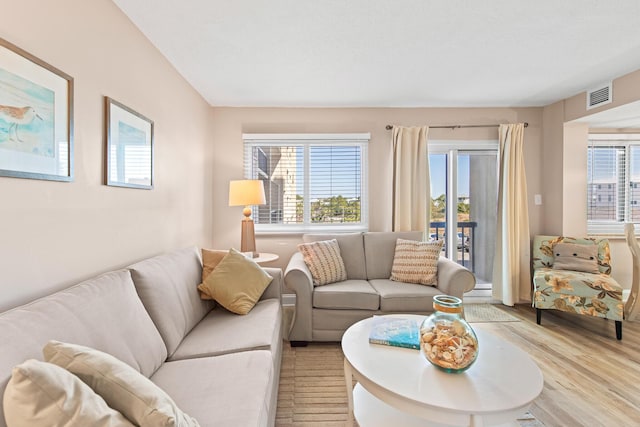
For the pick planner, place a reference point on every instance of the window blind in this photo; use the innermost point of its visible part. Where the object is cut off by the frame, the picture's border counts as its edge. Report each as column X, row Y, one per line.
column 613, row 182
column 312, row 182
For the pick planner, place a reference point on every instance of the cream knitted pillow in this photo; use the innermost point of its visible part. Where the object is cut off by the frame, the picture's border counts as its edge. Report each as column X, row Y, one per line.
column 121, row 386
column 41, row 394
column 416, row 262
column 324, row 261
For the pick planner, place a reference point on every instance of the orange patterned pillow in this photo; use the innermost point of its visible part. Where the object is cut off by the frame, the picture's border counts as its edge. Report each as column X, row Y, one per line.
column 416, row 262
column 324, row 261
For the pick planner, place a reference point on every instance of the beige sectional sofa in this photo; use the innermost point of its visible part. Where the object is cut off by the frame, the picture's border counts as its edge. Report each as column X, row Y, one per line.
column 323, row 313
column 221, row 368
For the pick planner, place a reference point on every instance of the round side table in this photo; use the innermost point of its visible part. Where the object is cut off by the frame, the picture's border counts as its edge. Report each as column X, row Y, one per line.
column 265, row 257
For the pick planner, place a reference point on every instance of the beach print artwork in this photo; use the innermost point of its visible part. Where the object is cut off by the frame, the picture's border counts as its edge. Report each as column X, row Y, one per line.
column 129, row 147
column 26, row 116
column 131, row 156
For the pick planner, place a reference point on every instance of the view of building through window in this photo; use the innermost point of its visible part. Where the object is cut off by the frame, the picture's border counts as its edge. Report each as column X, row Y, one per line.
column 309, row 183
column 613, row 182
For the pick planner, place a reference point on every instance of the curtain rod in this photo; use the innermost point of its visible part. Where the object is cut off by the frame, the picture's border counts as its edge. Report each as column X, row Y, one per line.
column 389, row 127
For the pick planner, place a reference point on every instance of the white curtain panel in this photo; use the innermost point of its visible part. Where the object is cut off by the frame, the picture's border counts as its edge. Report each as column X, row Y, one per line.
column 511, row 272
column 411, row 187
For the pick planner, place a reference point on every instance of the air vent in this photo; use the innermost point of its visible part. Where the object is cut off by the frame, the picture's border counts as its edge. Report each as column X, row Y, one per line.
column 599, row 96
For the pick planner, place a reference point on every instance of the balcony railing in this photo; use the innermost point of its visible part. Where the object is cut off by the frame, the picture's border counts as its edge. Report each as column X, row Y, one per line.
column 466, row 243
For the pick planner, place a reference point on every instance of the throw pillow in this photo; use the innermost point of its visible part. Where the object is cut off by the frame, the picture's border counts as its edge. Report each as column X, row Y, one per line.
column 41, row 394
column 575, row 257
column 122, row 387
column 416, row 262
column 210, row 259
column 237, row 283
column 324, row 261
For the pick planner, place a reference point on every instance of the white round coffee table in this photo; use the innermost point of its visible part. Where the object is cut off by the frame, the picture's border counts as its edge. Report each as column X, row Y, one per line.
column 397, row 386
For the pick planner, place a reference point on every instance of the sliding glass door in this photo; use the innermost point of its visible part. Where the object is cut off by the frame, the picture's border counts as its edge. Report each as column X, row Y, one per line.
column 463, row 202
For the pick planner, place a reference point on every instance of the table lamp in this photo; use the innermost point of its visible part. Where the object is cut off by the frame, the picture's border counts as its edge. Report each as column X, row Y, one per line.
column 247, row 192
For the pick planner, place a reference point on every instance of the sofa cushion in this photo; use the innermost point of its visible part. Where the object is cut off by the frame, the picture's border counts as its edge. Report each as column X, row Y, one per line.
column 400, row 296
column 237, row 283
column 348, row 294
column 167, row 285
column 324, row 261
column 571, row 256
column 222, row 332
column 351, row 250
column 42, row 394
column 379, row 248
column 416, row 262
column 104, row 313
column 122, row 387
column 237, row 390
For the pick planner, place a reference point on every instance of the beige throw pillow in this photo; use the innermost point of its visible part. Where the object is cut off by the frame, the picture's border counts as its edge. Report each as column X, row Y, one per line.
column 122, row 387
column 237, row 283
column 210, row 260
column 575, row 257
column 416, row 262
column 41, row 394
column 324, row 261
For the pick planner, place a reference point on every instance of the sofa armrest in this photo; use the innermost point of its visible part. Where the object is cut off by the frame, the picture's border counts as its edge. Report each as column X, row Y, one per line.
column 274, row 290
column 297, row 278
column 453, row 278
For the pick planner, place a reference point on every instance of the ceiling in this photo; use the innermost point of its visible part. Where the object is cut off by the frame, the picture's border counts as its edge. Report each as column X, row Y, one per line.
column 626, row 116
column 390, row 53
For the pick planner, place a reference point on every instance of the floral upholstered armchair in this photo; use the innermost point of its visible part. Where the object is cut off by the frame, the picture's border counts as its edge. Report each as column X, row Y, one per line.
column 573, row 275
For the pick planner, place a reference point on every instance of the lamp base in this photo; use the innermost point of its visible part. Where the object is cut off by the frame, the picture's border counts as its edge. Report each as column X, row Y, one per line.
column 248, row 238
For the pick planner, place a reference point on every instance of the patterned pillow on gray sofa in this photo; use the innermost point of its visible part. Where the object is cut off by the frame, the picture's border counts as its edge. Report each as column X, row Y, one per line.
column 324, row 261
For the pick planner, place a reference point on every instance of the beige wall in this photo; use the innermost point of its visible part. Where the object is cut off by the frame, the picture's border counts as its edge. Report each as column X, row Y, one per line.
column 625, row 89
column 551, row 168
column 564, row 168
column 54, row 234
column 230, row 123
column 574, row 183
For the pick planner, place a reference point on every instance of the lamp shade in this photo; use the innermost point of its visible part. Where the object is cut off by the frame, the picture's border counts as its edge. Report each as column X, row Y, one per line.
column 246, row 192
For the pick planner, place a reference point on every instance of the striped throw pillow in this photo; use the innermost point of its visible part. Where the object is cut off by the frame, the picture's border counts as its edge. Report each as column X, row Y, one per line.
column 324, row 261
column 416, row 262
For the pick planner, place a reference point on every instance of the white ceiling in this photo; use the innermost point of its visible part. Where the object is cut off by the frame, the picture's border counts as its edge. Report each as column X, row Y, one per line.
column 392, row 53
column 626, row 116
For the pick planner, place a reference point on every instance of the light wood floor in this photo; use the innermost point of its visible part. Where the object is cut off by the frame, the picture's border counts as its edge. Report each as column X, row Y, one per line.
column 590, row 378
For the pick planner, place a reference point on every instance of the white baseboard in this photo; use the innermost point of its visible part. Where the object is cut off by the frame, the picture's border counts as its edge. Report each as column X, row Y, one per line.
column 478, row 293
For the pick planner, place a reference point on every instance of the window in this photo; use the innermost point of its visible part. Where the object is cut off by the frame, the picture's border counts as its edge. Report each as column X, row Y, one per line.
column 613, row 174
column 312, row 182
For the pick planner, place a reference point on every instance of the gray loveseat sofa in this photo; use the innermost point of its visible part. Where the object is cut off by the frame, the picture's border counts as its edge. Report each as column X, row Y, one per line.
column 323, row 313
column 220, row 368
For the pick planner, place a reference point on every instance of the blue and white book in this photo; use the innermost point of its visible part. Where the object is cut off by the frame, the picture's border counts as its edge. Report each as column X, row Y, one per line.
column 395, row 331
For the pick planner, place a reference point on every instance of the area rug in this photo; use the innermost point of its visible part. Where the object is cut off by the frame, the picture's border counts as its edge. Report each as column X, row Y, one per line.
column 313, row 392
column 478, row 313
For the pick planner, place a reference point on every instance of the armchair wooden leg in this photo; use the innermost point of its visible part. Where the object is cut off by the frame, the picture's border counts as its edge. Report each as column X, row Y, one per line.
column 538, row 315
column 619, row 329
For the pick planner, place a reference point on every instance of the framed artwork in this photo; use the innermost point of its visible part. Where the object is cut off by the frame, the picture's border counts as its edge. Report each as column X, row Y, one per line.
column 129, row 147
column 36, row 117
